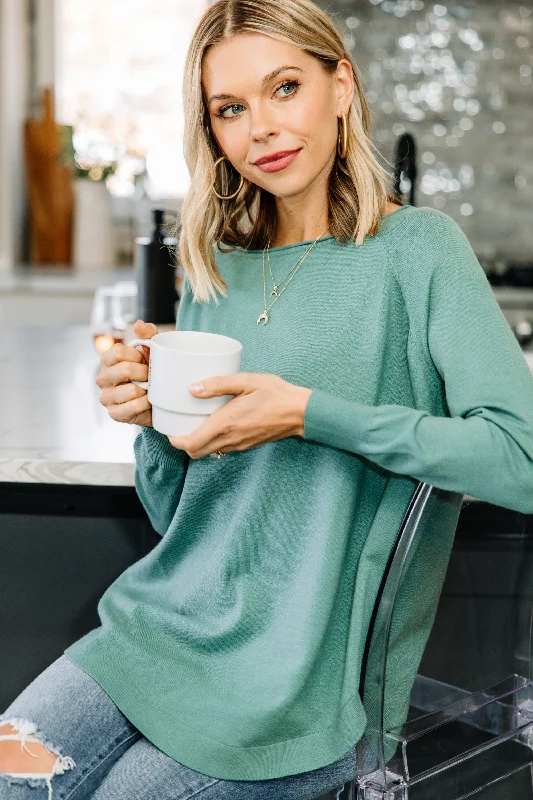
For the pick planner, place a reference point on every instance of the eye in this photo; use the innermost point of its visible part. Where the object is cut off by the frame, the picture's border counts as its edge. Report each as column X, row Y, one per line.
column 220, row 114
column 288, row 83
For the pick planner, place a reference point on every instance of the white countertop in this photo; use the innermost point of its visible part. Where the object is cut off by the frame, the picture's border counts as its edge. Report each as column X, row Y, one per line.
column 53, row 428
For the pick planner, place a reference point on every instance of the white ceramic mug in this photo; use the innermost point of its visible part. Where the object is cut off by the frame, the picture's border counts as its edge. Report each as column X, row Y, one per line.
column 177, row 359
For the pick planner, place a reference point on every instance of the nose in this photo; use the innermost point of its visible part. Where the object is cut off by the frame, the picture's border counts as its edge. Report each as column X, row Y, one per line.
column 263, row 123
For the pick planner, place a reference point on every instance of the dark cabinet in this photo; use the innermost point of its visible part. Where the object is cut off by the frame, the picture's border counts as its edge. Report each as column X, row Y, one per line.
column 60, row 548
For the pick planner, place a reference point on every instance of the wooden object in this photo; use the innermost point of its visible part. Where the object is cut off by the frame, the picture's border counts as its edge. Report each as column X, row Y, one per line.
column 50, row 189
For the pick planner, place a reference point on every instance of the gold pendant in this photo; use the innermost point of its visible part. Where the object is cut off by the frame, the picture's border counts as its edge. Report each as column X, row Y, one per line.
column 274, row 291
column 264, row 316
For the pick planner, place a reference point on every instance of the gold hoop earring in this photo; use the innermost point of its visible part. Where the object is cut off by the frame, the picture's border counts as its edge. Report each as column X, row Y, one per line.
column 226, row 196
column 342, row 143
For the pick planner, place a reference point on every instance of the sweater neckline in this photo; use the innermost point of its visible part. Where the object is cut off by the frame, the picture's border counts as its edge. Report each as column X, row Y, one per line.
column 383, row 223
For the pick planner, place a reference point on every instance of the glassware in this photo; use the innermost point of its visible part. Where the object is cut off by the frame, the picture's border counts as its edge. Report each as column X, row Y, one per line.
column 102, row 325
column 125, row 305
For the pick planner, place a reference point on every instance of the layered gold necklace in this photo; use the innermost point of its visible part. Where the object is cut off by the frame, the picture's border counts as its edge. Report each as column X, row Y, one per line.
column 294, row 269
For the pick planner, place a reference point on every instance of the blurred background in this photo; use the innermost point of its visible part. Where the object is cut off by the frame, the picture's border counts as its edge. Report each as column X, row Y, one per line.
column 91, row 131
column 92, row 179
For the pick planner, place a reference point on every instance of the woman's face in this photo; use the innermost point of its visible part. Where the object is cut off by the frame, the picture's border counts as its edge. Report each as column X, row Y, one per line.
column 262, row 113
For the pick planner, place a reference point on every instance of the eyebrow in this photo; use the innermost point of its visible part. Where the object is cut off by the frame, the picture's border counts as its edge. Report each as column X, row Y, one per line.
column 265, row 80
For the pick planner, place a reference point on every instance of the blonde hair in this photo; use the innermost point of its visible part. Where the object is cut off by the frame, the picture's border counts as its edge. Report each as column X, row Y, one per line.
column 357, row 185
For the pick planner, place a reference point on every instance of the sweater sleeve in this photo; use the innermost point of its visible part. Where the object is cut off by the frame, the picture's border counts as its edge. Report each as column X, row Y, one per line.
column 485, row 447
column 160, row 472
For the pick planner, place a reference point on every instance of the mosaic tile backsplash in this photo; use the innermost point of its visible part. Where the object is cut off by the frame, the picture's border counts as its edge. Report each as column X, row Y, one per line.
column 457, row 77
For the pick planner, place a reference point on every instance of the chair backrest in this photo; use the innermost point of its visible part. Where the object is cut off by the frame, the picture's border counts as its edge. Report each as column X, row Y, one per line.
column 410, row 712
column 374, row 665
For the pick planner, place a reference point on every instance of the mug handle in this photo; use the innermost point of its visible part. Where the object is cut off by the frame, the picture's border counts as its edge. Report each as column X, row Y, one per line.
column 136, row 343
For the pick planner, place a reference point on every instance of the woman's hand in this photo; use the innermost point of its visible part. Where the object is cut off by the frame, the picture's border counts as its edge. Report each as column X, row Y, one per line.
column 119, row 366
column 265, row 409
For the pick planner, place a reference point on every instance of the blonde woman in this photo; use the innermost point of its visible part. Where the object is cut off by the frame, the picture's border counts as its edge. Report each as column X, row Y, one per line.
column 375, row 356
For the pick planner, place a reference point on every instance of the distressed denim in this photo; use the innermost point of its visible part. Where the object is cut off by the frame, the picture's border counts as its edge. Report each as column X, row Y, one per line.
column 101, row 755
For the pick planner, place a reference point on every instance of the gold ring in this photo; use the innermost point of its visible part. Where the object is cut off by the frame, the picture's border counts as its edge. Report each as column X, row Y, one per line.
column 217, row 454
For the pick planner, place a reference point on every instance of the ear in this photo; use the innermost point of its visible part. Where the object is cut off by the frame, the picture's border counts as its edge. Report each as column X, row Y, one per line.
column 345, row 86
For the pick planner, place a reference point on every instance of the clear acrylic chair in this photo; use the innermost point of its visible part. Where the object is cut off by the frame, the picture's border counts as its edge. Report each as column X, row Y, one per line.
column 462, row 726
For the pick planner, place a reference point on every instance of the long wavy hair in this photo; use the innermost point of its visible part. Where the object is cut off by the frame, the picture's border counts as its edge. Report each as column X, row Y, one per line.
column 357, row 185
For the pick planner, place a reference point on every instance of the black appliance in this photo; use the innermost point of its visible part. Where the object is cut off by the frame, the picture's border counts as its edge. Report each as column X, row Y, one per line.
column 156, row 273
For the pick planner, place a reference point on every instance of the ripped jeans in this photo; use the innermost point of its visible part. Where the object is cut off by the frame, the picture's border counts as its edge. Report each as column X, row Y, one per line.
column 101, row 755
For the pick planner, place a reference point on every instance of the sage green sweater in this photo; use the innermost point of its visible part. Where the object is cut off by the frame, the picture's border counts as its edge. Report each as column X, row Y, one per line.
column 236, row 644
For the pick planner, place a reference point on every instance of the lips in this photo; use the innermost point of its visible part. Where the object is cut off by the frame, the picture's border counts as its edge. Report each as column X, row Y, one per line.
column 274, row 156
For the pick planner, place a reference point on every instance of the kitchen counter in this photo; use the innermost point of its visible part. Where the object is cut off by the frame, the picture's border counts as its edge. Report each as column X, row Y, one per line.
column 53, row 428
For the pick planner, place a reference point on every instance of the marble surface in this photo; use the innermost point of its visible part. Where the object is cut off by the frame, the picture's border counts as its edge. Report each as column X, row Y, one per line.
column 53, row 429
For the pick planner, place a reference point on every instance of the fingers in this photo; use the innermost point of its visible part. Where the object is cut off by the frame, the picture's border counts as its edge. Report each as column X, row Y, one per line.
column 119, row 366
column 123, row 393
column 217, row 431
column 122, row 372
column 127, row 403
column 129, row 411
column 145, row 330
column 121, row 352
column 122, row 363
